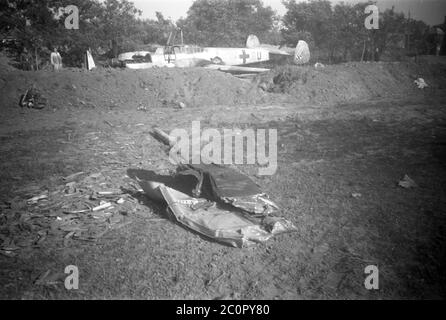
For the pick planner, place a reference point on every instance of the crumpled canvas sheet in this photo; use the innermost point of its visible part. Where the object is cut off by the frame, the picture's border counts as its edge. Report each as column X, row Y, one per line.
column 230, row 186
column 221, row 222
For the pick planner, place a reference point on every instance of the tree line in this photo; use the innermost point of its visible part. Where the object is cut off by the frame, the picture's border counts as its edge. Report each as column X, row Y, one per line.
column 30, row 29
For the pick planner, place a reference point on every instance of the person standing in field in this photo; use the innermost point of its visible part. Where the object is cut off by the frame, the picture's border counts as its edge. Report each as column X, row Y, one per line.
column 56, row 60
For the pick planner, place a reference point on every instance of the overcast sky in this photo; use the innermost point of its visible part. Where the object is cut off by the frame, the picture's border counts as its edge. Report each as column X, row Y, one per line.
column 430, row 11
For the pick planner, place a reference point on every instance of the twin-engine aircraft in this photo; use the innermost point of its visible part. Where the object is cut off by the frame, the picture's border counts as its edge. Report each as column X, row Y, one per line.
column 235, row 60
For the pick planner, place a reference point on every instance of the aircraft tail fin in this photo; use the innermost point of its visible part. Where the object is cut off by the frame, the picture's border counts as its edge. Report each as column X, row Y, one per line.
column 252, row 42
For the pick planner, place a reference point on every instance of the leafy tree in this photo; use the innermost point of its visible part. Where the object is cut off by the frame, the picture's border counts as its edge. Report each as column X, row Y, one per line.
column 73, row 43
column 226, row 22
column 338, row 33
column 314, row 17
column 417, row 33
column 349, row 33
column 32, row 23
column 397, row 32
column 118, row 22
column 38, row 26
column 154, row 31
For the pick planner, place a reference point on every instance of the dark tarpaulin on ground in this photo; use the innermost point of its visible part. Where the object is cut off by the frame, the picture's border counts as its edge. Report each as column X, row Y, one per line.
column 230, row 186
column 219, row 202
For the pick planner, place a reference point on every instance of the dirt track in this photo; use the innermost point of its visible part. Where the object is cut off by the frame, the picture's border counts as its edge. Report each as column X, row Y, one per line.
column 331, row 147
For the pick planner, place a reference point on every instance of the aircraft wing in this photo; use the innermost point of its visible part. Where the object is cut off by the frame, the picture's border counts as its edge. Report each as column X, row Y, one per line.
column 276, row 50
column 235, row 69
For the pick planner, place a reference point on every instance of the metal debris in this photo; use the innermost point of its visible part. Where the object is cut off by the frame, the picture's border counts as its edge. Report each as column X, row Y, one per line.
column 407, row 182
column 73, row 176
column 49, row 278
column 421, row 84
column 75, row 210
column 102, row 206
column 32, row 98
column 37, row 198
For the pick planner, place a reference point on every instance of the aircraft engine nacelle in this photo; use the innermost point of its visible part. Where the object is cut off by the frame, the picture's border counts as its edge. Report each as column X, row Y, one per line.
column 302, row 53
column 252, row 42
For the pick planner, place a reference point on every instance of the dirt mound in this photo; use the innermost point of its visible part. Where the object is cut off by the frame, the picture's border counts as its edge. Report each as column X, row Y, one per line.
column 164, row 87
column 5, row 64
column 352, row 81
column 142, row 89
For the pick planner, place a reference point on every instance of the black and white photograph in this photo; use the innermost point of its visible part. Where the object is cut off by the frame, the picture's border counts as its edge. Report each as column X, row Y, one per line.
column 239, row 152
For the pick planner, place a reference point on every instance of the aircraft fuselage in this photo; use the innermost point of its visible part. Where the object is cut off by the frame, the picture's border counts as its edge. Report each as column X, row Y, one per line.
column 225, row 56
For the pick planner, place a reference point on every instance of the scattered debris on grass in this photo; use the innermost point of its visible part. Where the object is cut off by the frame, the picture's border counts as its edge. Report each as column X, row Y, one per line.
column 76, row 210
column 142, row 107
column 102, row 206
column 230, row 296
column 49, row 278
column 36, row 199
column 73, row 176
column 407, row 182
column 32, row 98
column 421, row 84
